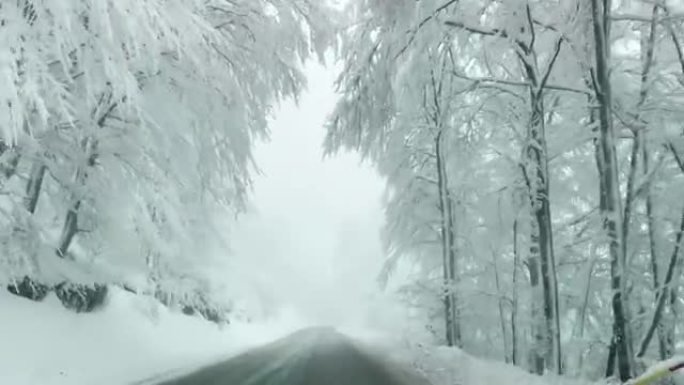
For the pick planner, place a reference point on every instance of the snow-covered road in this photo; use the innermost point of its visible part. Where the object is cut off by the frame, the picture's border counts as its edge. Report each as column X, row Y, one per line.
column 308, row 357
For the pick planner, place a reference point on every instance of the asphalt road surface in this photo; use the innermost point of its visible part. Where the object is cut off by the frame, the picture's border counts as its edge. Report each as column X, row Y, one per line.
column 317, row 356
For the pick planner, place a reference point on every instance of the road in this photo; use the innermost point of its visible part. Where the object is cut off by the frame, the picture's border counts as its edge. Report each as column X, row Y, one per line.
column 318, row 356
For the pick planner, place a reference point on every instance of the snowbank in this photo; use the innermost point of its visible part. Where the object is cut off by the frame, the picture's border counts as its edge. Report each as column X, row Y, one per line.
column 451, row 366
column 133, row 338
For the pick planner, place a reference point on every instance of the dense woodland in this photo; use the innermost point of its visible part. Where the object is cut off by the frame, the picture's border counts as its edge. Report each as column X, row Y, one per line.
column 127, row 129
column 533, row 152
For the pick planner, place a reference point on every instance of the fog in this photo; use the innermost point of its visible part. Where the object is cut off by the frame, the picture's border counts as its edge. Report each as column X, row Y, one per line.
column 310, row 241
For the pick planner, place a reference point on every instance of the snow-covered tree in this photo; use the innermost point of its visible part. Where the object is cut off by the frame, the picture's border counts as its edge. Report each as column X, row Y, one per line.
column 127, row 128
column 561, row 153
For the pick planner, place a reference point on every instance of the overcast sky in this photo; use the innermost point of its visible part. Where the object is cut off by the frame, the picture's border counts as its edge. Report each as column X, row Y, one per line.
column 312, row 238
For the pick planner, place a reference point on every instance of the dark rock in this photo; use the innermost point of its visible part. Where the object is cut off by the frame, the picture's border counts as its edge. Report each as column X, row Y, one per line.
column 212, row 315
column 81, row 298
column 28, row 288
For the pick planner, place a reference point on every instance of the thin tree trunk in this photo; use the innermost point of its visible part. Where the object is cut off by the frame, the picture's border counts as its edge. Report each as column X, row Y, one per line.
column 612, row 354
column 514, row 305
column 663, row 293
column 640, row 140
column 537, row 351
column 647, row 53
column 629, row 194
column 70, row 227
column 585, row 303
column 542, row 235
column 650, row 219
column 666, row 290
column 445, row 232
column 608, row 172
column 502, row 316
column 453, row 270
column 69, row 230
column 34, row 186
column 670, row 329
column 536, row 162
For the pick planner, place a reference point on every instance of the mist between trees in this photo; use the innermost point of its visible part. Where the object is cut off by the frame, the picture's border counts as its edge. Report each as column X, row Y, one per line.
column 533, row 153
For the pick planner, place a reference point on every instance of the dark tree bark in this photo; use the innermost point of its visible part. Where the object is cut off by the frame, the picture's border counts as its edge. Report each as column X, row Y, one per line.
column 34, row 186
column 608, row 173
column 514, row 305
column 536, row 353
column 536, row 159
column 663, row 293
column 453, row 269
column 446, row 231
column 653, row 249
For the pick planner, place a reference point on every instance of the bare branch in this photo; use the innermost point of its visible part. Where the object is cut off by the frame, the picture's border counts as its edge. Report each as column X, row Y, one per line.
column 426, row 179
column 549, row 67
column 677, row 156
column 477, row 30
column 644, row 19
column 520, row 84
column 530, row 22
column 420, row 25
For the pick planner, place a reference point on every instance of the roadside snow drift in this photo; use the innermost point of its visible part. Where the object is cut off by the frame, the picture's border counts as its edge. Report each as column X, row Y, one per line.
column 132, row 339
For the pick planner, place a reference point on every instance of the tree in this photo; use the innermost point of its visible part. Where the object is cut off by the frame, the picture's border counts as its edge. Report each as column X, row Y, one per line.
column 116, row 184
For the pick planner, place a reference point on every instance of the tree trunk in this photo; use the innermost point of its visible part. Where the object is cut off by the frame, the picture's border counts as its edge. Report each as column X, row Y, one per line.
column 612, row 353
column 670, row 328
column 34, row 186
column 542, row 235
column 502, row 316
column 585, row 304
column 537, row 177
column 70, row 227
column 650, row 219
column 537, row 351
column 453, row 270
column 514, row 305
column 608, row 173
column 69, row 230
column 664, row 292
column 447, row 252
column 103, row 111
column 629, row 194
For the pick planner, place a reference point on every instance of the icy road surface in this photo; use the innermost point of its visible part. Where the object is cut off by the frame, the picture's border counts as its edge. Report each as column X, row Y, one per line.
column 317, row 356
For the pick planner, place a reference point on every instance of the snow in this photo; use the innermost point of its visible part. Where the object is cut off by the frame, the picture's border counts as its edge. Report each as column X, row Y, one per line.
column 448, row 366
column 131, row 340
column 135, row 340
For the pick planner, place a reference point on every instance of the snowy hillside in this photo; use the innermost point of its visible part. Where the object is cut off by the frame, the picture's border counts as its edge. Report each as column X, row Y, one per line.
column 132, row 339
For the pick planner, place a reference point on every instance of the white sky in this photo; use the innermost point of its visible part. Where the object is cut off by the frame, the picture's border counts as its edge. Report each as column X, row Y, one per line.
column 311, row 240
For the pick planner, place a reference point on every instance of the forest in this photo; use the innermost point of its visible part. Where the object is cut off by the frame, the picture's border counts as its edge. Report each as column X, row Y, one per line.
column 532, row 151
